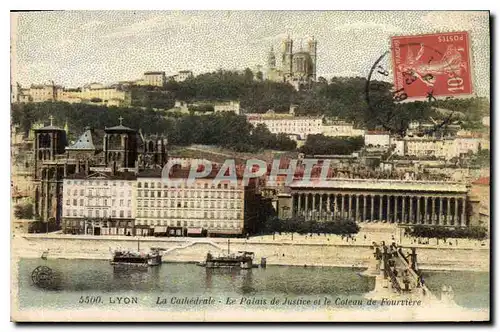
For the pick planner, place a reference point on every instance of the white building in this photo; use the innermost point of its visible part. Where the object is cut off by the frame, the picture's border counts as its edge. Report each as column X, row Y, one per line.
column 377, row 138
column 192, row 209
column 99, row 204
column 227, row 106
column 341, row 128
column 182, row 75
column 288, row 124
column 154, row 78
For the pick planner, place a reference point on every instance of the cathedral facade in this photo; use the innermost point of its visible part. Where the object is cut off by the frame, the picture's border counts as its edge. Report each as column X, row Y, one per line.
column 116, row 150
column 296, row 68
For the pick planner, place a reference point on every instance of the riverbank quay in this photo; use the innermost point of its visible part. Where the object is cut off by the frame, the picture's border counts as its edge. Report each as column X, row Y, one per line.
column 316, row 250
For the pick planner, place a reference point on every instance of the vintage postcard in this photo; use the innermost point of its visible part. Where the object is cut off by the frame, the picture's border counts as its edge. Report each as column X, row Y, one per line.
column 250, row 166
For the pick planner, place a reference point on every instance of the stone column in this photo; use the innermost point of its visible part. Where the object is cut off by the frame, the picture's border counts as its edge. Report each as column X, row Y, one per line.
column 403, row 210
column 417, row 219
column 426, row 209
column 342, row 213
column 364, row 208
column 410, row 216
column 381, row 205
column 448, row 208
column 313, row 203
column 441, row 214
column 372, row 208
column 299, row 202
column 337, row 210
column 306, row 207
column 463, row 222
column 349, row 212
column 396, row 210
column 357, row 208
column 388, row 208
column 328, row 207
column 320, row 203
column 433, row 211
column 455, row 217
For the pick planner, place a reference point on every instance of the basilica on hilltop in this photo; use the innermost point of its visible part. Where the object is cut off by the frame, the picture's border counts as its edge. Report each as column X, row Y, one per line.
column 297, row 68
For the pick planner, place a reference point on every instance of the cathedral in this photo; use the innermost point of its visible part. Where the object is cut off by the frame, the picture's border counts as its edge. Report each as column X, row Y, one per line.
column 116, row 149
column 296, row 68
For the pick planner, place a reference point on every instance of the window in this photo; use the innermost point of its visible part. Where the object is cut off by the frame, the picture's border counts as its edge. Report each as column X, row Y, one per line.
column 113, row 213
column 121, row 214
column 145, row 185
column 68, row 212
column 74, row 202
column 81, row 202
column 146, row 194
column 129, row 214
column 121, row 202
column 113, row 202
column 129, row 203
column 75, row 193
column 67, row 202
column 105, row 202
column 74, row 213
column 97, row 214
column 139, row 185
column 105, row 213
column 139, row 193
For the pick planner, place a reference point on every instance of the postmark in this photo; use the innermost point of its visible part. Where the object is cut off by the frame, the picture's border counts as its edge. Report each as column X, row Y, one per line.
column 437, row 64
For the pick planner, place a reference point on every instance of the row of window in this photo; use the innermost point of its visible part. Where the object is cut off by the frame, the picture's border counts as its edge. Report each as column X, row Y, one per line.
column 99, row 182
column 184, row 214
column 191, row 223
column 188, row 194
column 97, row 192
column 191, row 204
column 183, row 184
column 98, row 202
column 97, row 213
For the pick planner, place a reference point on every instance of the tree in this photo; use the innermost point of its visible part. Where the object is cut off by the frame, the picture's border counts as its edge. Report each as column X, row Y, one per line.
column 23, row 211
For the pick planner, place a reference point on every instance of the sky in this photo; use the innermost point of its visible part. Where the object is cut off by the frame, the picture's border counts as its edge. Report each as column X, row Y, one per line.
column 77, row 47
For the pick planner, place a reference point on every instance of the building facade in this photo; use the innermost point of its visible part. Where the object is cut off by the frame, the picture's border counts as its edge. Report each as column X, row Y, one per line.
column 289, row 124
column 182, row 75
column 99, row 204
column 341, row 129
column 228, row 106
column 198, row 209
column 154, row 78
column 376, row 200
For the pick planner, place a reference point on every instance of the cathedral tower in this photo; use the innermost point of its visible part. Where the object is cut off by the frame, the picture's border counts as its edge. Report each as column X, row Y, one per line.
column 271, row 59
column 312, row 52
column 287, row 48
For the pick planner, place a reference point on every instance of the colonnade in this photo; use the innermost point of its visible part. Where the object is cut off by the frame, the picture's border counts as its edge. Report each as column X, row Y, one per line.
column 429, row 209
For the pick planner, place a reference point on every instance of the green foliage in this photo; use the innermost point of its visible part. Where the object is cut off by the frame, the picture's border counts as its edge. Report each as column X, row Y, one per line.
column 439, row 232
column 223, row 129
column 301, row 226
column 23, row 211
column 320, row 145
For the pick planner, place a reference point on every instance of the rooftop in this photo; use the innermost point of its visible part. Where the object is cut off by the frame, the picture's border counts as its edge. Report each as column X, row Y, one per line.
column 484, row 181
column 382, row 184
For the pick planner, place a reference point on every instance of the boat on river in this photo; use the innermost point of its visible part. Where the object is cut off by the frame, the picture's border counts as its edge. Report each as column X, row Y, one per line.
column 136, row 257
column 241, row 259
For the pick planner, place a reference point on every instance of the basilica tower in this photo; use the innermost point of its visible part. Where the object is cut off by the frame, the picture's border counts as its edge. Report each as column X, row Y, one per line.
column 312, row 45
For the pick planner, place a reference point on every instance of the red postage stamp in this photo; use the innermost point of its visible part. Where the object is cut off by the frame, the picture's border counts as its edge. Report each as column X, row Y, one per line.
column 432, row 65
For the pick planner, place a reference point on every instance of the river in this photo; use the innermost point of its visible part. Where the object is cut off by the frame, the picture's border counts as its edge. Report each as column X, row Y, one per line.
column 177, row 283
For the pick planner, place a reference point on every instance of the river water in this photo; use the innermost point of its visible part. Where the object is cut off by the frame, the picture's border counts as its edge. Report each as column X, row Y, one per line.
column 174, row 283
